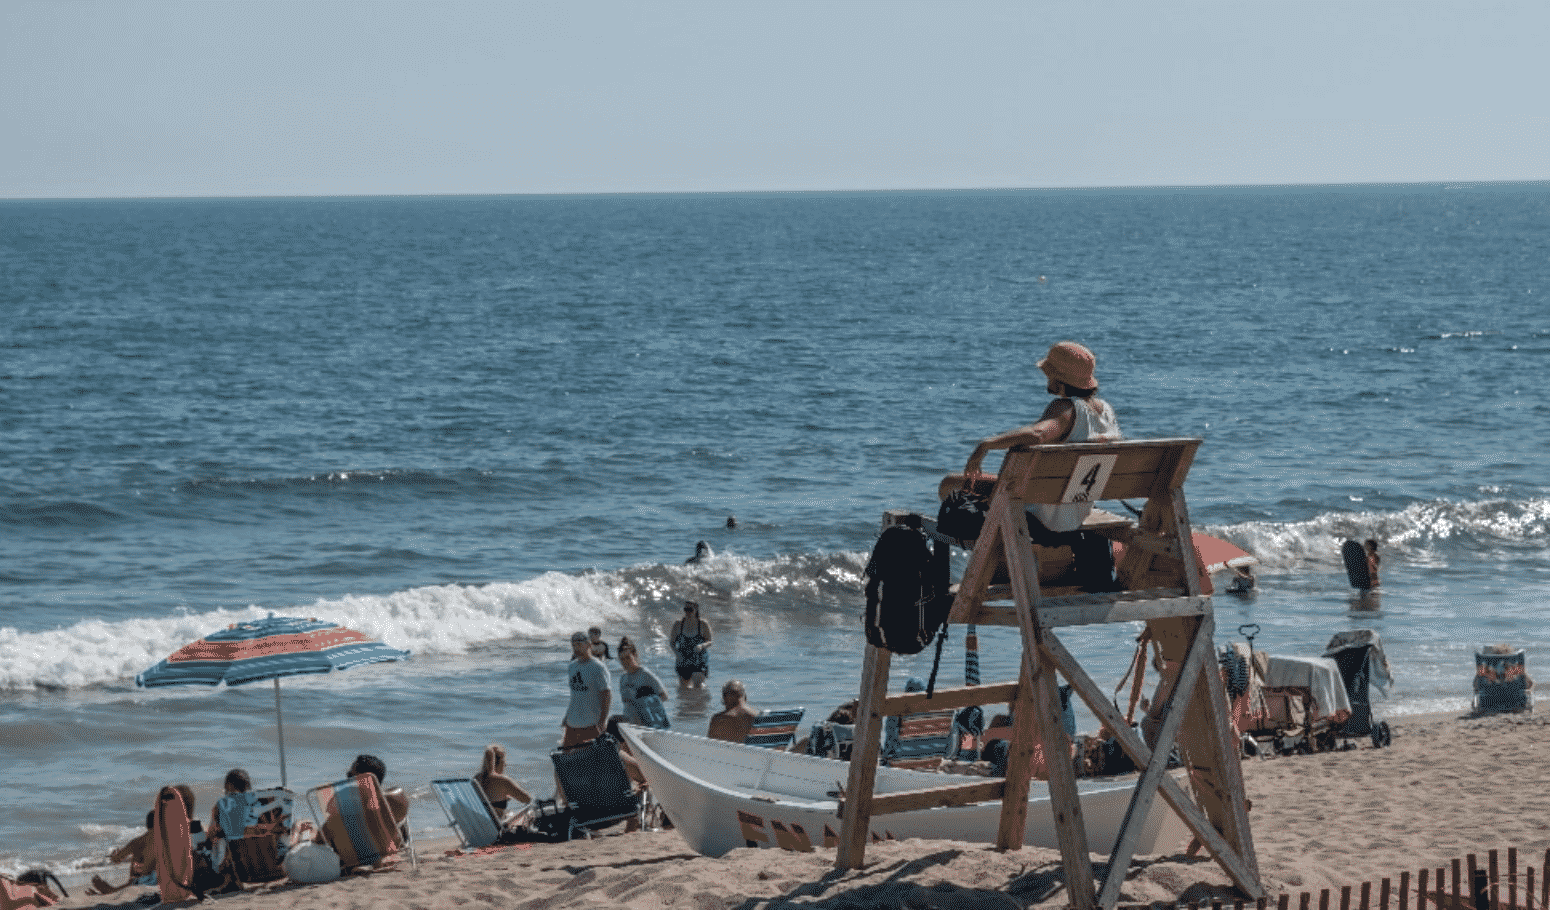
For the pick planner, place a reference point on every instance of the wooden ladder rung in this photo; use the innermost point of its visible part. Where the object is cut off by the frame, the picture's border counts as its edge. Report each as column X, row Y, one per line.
column 937, row 797
column 950, row 698
column 1087, row 609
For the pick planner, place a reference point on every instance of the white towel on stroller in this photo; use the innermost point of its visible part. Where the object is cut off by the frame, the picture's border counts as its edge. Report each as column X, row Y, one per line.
column 1318, row 675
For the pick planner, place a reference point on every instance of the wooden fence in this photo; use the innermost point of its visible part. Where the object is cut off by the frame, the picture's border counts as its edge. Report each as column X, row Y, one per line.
column 1443, row 888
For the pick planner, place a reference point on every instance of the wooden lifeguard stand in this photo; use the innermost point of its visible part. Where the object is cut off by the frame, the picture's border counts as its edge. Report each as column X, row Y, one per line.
column 1160, row 575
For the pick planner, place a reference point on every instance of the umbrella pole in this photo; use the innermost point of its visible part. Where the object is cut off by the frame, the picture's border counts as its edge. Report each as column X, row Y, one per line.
column 280, row 735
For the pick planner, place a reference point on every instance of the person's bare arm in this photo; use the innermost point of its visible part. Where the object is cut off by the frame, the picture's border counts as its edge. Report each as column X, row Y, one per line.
column 605, row 698
column 705, row 633
column 1053, row 425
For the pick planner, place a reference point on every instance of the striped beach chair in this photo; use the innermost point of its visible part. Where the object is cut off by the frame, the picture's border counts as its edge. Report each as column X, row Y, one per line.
column 774, row 728
column 1501, row 683
column 468, row 810
column 925, row 739
column 357, row 822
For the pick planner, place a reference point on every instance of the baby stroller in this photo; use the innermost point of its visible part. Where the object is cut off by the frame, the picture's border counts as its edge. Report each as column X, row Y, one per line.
column 1361, row 659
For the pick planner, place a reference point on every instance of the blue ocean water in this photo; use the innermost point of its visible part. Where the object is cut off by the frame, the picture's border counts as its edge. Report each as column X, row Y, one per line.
column 469, row 426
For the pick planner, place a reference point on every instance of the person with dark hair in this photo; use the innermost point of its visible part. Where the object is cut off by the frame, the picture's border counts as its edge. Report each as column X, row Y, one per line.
column 690, row 638
column 641, row 692
column 1076, row 414
column 235, row 806
column 595, row 638
column 1371, row 554
column 398, row 802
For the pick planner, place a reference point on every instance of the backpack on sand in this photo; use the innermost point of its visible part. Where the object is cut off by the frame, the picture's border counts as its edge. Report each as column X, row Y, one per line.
column 907, row 591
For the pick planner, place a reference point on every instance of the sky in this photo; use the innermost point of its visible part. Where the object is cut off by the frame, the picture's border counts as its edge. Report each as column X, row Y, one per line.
column 156, row 99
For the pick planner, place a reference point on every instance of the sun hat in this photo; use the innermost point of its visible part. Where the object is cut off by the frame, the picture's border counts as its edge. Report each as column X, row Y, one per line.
column 580, row 637
column 1070, row 363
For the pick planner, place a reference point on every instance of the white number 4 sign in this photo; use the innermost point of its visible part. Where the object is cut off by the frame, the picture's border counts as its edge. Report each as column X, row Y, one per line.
column 1089, row 478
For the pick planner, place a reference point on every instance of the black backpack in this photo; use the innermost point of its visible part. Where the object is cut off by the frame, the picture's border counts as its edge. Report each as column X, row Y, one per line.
column 907, row 591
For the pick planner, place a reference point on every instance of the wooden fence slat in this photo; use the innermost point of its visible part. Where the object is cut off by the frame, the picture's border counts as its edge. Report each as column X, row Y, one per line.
column 1492, row 878
column 1514, row 878
column 1479, row 889
column 1482, row 889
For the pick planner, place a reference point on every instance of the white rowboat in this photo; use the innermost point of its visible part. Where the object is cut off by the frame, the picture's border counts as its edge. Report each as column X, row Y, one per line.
column 723, row 796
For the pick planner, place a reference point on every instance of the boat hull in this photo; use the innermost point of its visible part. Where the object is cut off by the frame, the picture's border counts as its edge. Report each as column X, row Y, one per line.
column 723, row 796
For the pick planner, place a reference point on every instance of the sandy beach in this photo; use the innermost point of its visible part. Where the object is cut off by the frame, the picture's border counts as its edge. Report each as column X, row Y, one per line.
column 1448, row 787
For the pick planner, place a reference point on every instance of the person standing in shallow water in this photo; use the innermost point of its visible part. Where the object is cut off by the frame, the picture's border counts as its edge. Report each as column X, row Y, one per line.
column 1371, row 555
column 691, row 637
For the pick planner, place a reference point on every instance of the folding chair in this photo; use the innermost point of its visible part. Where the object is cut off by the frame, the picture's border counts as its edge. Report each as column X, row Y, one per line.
column 357, row 822
column 925, row 737
column 598, row 791
column 774, row 728
column 255, row 833
column 468, row 811
column 1501, row 684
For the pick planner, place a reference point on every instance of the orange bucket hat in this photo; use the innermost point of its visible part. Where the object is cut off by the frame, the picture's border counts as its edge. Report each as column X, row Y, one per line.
column 1070, row 363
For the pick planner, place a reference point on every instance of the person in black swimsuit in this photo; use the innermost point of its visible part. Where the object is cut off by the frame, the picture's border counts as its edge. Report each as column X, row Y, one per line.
column 499, row 788
column 691, row 638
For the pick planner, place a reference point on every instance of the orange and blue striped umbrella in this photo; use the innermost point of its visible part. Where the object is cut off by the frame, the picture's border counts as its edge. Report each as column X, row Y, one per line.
column 268, row 649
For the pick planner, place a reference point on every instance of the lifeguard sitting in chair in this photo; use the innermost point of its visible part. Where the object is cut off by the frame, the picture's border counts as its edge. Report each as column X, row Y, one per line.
column 1075, row 415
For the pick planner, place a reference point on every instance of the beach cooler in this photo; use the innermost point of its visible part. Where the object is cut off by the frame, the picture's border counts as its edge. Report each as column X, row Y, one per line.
column 1501, row 684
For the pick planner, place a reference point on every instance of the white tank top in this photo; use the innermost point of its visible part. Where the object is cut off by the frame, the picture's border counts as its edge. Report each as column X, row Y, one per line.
column 1093, row 420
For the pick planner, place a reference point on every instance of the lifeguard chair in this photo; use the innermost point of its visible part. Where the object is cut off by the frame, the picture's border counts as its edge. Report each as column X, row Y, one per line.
column 1162, row 584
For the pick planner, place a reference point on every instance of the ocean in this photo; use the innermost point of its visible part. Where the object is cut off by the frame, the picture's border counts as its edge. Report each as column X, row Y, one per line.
column 470, row 426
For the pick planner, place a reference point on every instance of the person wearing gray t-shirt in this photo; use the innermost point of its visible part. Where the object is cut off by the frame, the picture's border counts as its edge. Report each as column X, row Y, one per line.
column 641, row 693
column 590, row 697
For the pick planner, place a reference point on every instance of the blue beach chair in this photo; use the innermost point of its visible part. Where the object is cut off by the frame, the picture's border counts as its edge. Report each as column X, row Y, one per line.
column 357, row 822
column 468, row 810
column 774, row 728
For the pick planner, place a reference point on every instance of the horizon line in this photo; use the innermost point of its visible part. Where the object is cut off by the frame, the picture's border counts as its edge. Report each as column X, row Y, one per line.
column 816, row 191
